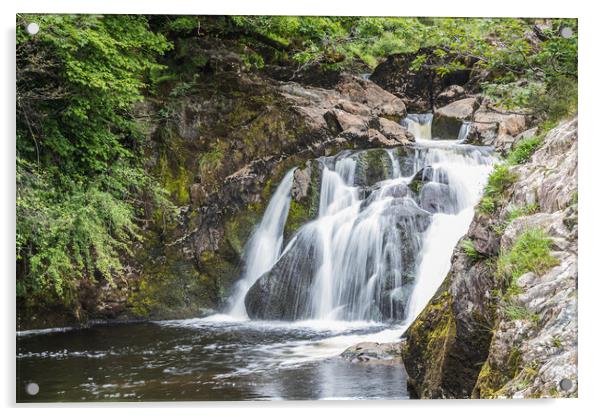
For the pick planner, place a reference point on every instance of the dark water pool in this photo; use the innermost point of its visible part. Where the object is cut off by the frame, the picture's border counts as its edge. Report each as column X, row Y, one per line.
column 214, row 359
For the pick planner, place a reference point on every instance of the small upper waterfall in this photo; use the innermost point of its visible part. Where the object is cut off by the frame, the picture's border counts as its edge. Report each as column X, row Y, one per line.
column 377, row 249
column 464, row 131
column 419, row 125
column 265, row 245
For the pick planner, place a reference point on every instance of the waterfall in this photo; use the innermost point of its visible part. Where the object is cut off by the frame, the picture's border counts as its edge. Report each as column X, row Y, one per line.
column 265, row 245
column 419, row 125
column 464, row 131
column 376, row 251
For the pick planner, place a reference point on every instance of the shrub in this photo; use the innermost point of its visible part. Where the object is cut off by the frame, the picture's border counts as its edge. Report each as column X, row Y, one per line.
column 487, row 205
column 523, row 150
column 499, row 180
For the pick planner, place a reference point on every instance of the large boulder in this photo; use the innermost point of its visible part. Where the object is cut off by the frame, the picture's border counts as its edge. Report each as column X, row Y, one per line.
column 448, row 120
column 380, row 102
column 491, row 127
column 284, row 292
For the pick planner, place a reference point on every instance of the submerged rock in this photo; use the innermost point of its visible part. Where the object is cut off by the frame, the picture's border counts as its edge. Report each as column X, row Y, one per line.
column 374, row 353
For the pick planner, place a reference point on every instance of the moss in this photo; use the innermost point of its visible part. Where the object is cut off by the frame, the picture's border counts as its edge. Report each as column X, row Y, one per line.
column 429, row 339
column 492, row 377
column 239, row 227
column 416, row 186
column 298, row 215
column 373, row 165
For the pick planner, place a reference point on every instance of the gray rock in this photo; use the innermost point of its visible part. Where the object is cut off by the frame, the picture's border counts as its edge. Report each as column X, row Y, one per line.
column 488, row 124
column 448, row 120
column 373, row 353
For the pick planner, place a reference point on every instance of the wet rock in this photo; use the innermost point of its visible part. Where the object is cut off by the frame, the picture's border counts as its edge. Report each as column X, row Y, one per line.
column 284, row 293
column 382, row 190
column 408, row 216
column 447, row 120
column 437, row 197
column 373, row 353
column 427, row 174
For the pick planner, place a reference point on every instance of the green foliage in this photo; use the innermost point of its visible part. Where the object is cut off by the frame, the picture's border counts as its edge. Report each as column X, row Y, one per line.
column 487, row 205
column 470, row 250
column 80, row 180
column 517, row 312
column 522, row 211
column 500, row 179
column 530, row 253
column 523, row 150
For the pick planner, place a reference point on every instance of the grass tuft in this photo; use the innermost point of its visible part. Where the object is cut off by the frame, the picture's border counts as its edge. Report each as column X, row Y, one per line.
column 523, row 150
column 530, row 253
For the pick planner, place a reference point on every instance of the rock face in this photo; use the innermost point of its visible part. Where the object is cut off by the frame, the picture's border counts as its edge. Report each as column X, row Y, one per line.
column 465, row 343
column 530, row 357
column 356, row 111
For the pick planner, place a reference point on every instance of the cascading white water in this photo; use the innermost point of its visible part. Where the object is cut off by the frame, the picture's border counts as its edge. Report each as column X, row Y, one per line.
column 265, row 245
column 376, row 257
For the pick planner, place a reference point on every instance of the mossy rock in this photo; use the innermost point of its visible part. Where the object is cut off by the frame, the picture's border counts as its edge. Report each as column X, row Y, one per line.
column 426, row 346
column 494, row 377
column 373, row 165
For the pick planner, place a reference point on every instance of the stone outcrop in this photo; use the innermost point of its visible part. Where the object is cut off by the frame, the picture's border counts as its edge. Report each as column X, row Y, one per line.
column 448, row 120
column 531, row 357
column 494, row 127
column 465, row 343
